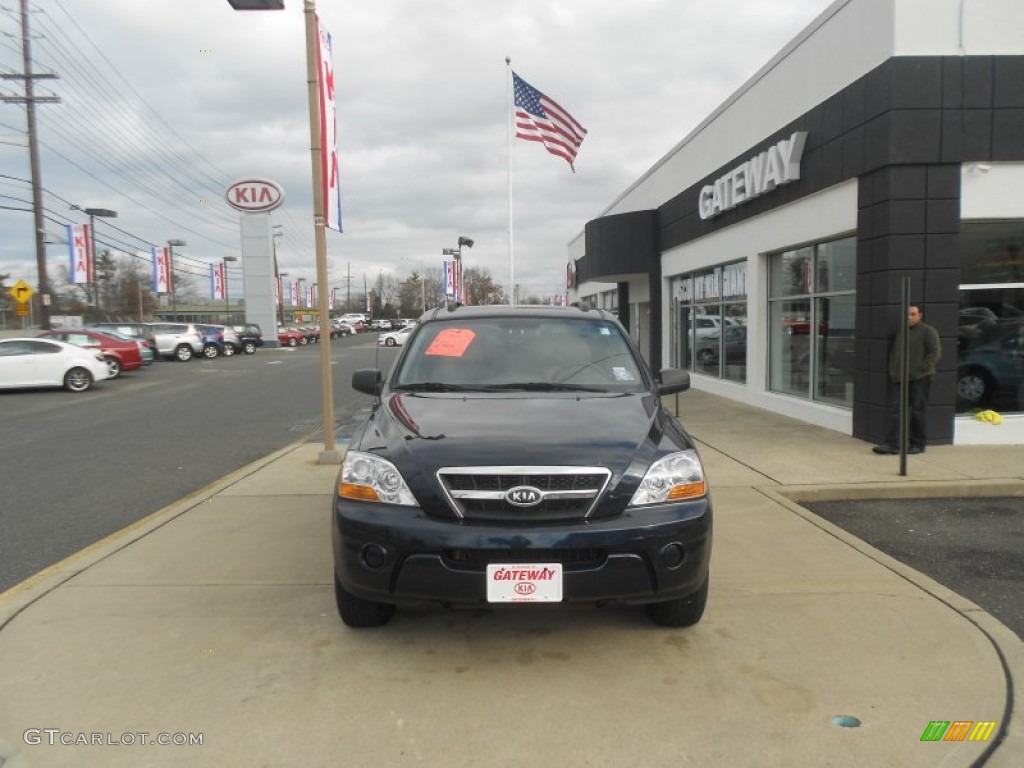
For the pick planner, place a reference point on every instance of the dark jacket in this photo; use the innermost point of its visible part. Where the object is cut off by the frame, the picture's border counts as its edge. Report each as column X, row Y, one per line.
column 925, row 352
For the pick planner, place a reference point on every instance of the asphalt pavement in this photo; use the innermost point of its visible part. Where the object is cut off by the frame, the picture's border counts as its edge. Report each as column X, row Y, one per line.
column 973, row 545
column 213, row 620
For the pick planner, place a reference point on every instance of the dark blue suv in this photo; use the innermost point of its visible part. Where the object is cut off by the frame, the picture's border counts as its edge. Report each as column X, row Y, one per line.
column 521, row 455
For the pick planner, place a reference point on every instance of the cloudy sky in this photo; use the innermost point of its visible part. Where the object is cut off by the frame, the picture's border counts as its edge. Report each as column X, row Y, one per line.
column 165, row 102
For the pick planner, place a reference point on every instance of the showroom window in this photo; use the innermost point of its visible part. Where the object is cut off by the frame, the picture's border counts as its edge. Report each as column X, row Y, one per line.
column 990, row 336
column 710, row 331
column 811, row 309
column 608, row 300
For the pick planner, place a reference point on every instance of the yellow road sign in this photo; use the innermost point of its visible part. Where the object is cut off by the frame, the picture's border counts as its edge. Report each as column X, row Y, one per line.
column 21, row 310
column 21, row 291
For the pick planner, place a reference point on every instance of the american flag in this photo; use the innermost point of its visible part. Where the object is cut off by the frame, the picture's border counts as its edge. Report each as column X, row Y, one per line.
column 540, row 118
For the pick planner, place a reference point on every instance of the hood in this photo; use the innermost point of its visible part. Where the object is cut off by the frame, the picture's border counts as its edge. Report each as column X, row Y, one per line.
column 421, row 432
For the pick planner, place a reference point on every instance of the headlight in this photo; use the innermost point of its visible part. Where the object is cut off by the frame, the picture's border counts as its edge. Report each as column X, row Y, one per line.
column 366, row 477
column 674, row 477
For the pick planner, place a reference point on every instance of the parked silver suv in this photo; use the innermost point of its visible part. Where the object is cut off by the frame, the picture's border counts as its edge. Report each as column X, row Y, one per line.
column 176, row 340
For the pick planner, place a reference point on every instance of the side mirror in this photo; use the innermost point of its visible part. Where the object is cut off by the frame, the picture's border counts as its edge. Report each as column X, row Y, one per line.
column 673, row 380
column 369, row 381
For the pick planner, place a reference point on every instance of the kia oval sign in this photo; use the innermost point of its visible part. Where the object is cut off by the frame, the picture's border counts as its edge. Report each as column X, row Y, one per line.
column 254, row 195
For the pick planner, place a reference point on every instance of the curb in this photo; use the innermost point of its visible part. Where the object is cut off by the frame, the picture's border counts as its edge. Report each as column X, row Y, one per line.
column 1006, row 748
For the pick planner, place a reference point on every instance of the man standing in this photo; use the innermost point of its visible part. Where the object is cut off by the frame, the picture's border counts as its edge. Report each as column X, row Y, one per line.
column 923, row 352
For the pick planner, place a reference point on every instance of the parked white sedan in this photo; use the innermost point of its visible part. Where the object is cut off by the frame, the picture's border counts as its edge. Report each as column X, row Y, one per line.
column 395, row 338
column 28, row 363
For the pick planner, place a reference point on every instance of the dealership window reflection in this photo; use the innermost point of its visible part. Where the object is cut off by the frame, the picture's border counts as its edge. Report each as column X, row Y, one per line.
column 710, row 332
column 990, row 332
column 812, row 300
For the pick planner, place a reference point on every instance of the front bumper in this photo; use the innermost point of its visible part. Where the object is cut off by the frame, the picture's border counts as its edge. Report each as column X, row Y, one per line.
column 393, row 554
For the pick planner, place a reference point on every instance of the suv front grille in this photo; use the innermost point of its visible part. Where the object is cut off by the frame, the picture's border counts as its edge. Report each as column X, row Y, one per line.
column 525, row 495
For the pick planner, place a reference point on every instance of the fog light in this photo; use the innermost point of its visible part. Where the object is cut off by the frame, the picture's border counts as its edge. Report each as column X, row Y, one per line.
column 673, row 555
column 374, row 556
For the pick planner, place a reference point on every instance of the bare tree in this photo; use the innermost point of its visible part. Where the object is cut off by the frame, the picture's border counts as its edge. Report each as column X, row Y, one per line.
column 481, row 288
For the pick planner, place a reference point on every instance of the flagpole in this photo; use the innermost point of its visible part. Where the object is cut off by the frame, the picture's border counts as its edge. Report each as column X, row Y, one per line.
column 509, row 117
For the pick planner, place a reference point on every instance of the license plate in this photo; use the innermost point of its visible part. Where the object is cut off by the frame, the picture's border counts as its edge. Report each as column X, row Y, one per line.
column 524, row 583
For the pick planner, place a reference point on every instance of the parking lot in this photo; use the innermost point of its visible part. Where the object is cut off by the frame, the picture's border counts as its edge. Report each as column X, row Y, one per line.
column 83, row 465
column 217, row 616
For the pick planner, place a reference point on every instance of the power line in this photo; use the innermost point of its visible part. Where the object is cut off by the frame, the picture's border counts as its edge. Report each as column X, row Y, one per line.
column 114, row 112
column 218, row 183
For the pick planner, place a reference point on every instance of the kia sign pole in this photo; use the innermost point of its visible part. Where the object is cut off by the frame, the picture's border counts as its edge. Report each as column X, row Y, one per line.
column 255, row 198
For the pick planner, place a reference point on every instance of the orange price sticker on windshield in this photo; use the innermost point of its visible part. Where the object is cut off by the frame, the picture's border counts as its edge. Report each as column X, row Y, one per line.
column 451, row 342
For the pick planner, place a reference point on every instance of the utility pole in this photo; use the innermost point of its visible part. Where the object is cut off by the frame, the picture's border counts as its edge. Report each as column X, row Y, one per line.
column 29, row 100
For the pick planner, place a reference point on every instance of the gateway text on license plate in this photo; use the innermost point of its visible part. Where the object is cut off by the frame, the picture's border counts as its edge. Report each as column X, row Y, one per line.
column 530, row 583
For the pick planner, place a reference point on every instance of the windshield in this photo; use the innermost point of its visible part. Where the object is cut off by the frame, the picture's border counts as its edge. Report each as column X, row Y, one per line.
column 525, row 353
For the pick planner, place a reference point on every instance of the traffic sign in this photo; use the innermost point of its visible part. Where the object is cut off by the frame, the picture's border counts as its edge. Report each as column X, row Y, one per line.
column 21, row 291
column 21, row 310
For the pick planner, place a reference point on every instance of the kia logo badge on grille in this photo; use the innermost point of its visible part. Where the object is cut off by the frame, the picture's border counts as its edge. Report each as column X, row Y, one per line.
column 524, row 496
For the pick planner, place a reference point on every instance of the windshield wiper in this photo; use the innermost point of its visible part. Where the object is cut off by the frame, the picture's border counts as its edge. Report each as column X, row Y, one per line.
column 546, row 386
column 434, row 386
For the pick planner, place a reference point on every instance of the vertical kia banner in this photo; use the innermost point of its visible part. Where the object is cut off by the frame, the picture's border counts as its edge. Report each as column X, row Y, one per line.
column 161, row 270
column 216, row 281
column 80, row 252
column 328, row 129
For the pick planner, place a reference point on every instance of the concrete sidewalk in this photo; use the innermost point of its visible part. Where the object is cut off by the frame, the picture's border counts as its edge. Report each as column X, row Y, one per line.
column 216, row 617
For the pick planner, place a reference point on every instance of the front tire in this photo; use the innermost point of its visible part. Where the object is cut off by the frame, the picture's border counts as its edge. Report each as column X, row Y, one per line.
column 684, row 612
column 77, row 380
column 113, row 367
column 389, row 342
column 210, row 351
column 183, row 353
column 229, row 350
column 249, row 347
column 293, row 342
column 358, row 613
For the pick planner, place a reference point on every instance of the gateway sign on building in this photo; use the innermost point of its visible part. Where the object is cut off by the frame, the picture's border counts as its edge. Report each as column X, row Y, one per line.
column 760, row 174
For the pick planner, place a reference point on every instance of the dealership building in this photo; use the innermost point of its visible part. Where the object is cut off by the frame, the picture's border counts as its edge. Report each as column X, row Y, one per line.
column 766, row 251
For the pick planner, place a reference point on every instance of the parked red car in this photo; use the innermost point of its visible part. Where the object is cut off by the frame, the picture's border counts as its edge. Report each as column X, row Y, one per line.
column 120, row 355
column 289, row 337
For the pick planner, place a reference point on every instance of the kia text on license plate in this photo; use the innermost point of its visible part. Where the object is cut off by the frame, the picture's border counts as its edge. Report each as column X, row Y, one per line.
column 532, row 583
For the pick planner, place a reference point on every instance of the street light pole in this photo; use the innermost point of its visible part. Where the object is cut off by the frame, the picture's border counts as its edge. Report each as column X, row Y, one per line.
column 329, row 455
column 170, row 268
column 456, row 252
column 92, row 213
column 278, row 287
column 280, row 291
column 227, row 301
